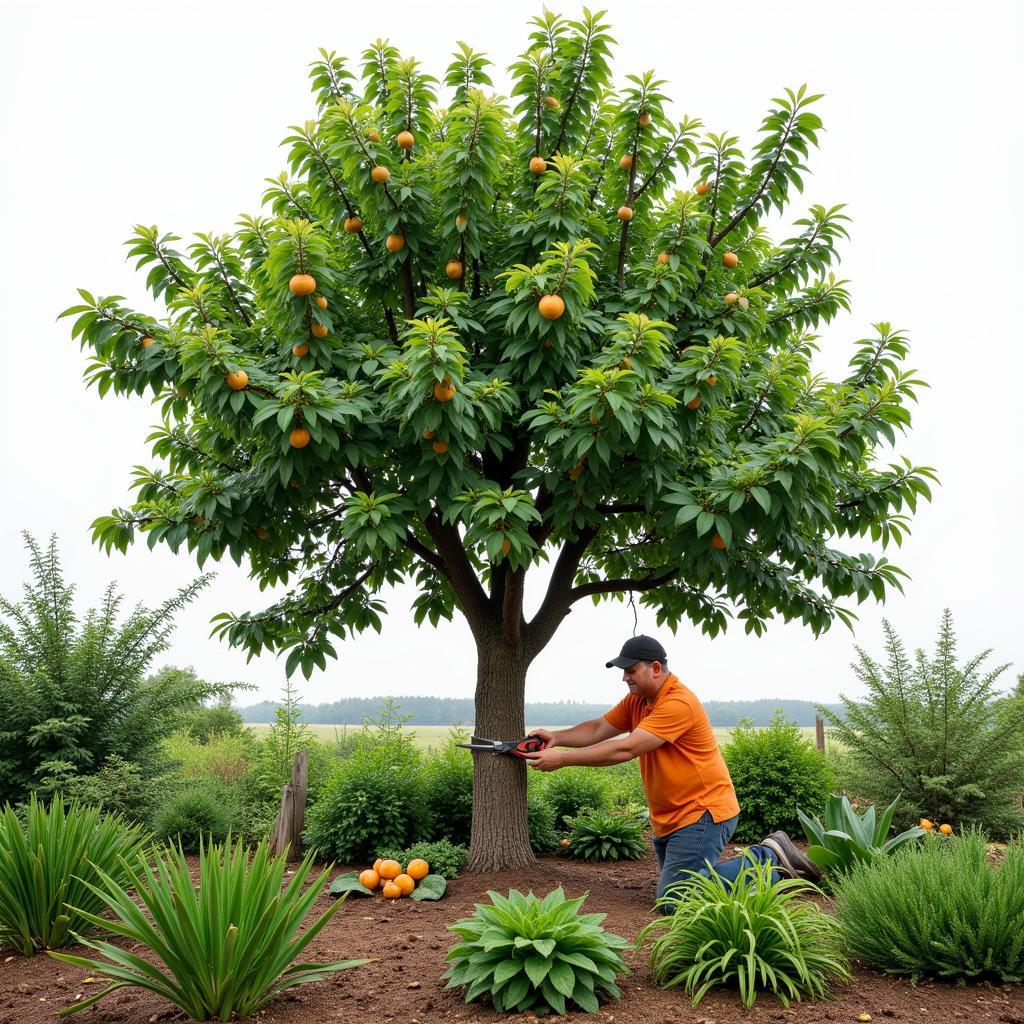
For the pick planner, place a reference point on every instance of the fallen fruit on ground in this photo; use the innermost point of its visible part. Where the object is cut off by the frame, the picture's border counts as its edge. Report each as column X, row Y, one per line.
column 391, row 891
column 717, row 543
column 380, row 174
column 369, row 878
column 353, row 224
column 417, row 869
column 299, row 437
column 926, row 824
column 405, row 140
column 376, row 865
column 389, row 869
column 730, row 259
column 300, row 350
column 453, row 269
column 395, row 243
column 444, row 390
column 237, row 381
column 405, row 883
column 318, row 330
column 302, row 284
column 551, row 307
column 538, row 164
column 946, row 830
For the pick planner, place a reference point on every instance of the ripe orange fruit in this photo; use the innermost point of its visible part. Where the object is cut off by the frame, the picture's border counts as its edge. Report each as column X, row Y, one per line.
column 321, row 302
column 380, row 174
column 440, row 447
column 926, row 824
column 552, row 102
column 405, row 883
column 717, row 543
column 302, row 284
column 395, row 243
column 300, row 351
column 538, row 164
column 946, row 830
column 625, row 162
column 369, row 878
column 644, row 119
column 563, row 842
column 237, row 381
column 389, row 869
column 299, row 437
column 428, row 435
column 262, row 532
column 625, row 213
column 693, row 403
column 461, row 220
column 147, row 341
column 711, row 381
column 730, row 259
column 318, row 330
column 576, row 472
column 454, row 269
column 444, row 390
column 353, row 224
column 551, row 307
column 506, row 546
column 377, row 863
column 730, row 298
column 373, row 136
column 663, row 257
column 405, row 140
column 391, row 891
column 702, row 187
column 417, row 869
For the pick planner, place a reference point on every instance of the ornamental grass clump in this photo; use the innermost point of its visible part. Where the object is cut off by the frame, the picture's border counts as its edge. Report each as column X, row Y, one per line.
column 541, row 955
column 756, row 935
column 939, row 910
column 47, row 865
column 605, row 835
column 223, row 947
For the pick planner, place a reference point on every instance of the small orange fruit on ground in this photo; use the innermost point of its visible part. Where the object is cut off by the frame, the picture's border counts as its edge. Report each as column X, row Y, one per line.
column 389, row 869
column 405, row 883
column 693, row 403
column 506, row 546
column 663, row 257
column 417, row 869
column 395, row 243
column 644, row 119
column 147, row 341
column 405, row 140
column 321, row 302
column 461, row 220
column 353, row 224
column 552, row 102
column 318, row 330
column 454, row 269
column 946, row 830
column 576, row 472
column 302, row 284
column 428, row 435
column 717, row 543
column 711, row 381
column 391, row 891
column 444, row 390
column 551, row 307
column 299, row 437
column 926, row 824
column 237, row 381
column 440, row 447
column 369, row 878
column 702, row 188
column 625, row 213
column 377, row 863
column 730, row 259
column 380, row 174
column 538, row 164
column 730, row 298
column 300, row 351
column 625, row 162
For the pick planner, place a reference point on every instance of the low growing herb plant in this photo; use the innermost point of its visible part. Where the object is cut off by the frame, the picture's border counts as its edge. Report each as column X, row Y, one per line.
column 605, row 835
column 224, row 947
column 756, row 935
column 445, row 858
column 526, row 953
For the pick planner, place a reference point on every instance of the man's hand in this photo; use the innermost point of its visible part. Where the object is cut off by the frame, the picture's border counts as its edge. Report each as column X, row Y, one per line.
column 547, row 737
column 547, row 760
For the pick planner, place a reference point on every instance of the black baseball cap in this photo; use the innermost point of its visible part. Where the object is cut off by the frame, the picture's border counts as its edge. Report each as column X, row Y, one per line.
column 638, row 648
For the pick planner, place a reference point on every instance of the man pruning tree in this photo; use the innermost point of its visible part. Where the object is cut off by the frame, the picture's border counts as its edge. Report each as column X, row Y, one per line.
column 690, row 795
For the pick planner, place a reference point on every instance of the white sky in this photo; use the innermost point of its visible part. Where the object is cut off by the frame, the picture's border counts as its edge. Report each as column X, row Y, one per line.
column 118, row 113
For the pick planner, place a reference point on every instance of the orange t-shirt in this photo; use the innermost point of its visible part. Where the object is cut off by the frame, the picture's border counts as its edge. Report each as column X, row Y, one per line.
column 687, row 774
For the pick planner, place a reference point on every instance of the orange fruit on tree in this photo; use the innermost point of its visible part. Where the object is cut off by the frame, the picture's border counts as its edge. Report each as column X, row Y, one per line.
column 389, row 869
column 575, row 472
column 299, row 437
column 373, row 136
column 552, row 102
column 730, row 259
column 318, row 330
column 440, row 447
column 625, row 213
column 551, row 307
column 711, row 381
column 454, row 269
column 744, row 302
column 702, row 187
column 405, row 140
column 428, row 435
column 538, row 164
column 302, row 284
column 353, row 224
column 237, row 381
column 300, row 351
column 391, row 891
column 644, row 119
column 444, row 390
column 693, row 403
column 147, row 341
column 380, row 174
column 717, row 543
column 461, row 220
column 417, row 869
column 395, row 243
column 405, row 883
column 626, row 161
column 377, row 863
column 321, row 302
column 663, row 257
column 946, row 830
column 369, row 878
column 506, row 546
column 730, row 298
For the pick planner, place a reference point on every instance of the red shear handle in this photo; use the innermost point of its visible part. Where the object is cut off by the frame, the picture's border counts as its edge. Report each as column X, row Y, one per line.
column 530, row 745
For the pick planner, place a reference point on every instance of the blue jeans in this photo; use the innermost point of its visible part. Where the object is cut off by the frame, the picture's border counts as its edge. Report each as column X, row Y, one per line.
column 694, row 847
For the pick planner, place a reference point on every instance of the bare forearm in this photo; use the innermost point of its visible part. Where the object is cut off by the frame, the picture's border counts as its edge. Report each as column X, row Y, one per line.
column 582, row 735
column 599, row 755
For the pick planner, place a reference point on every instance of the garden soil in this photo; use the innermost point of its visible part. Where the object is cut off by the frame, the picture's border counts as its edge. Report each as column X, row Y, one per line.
column 409, row 941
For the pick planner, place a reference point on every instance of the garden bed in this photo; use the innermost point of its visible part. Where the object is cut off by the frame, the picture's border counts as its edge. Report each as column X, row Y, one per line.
column 409, row 940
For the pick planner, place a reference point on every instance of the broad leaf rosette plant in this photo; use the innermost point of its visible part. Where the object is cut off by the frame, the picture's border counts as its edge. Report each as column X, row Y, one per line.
column 606, row 835
column 543, row 955
column 223, row 947
column 846, row 838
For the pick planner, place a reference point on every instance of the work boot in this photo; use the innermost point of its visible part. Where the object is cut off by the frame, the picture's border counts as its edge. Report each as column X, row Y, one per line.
column 791, row 861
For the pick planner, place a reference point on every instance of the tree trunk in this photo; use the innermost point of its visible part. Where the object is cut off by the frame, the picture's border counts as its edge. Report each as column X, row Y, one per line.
column 500, row 839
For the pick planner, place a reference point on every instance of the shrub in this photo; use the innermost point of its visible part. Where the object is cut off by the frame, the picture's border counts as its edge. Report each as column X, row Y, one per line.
column 193, row 816
column 774, row 770
column 540, row 823
column 625, row 786
column 939, row 734
column 753, row 934
column 940, row 910
column 530, row 954
column 448, row 785
column 445, row 858
column 605, row 835
column 119, row 787
column 241, row 935
column 570, row 790
column 48, row 864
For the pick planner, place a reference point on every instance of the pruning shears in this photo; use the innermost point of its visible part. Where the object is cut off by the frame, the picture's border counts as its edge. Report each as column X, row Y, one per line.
column 527, row 745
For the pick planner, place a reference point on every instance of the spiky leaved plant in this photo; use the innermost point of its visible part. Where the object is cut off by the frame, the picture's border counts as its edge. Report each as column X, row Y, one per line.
column 606, row 835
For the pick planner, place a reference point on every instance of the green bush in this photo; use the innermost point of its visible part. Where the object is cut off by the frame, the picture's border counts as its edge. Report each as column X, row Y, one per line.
column 48, row 864
column 940, row 734
column 220, row 719
column 445, row 858
column 524, row 953
column 570, row 790
column 938, row 910
column 194, row 815
column 606, row 835
column 119, row 787
column 223, row 948
column 540, row 823
column 625, row 786
column 448, row 786
column 754, row 934
column 775, row 770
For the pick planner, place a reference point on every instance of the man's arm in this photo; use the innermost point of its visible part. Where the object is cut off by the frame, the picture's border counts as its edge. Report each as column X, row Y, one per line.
column 582, row 735
column 596, row 755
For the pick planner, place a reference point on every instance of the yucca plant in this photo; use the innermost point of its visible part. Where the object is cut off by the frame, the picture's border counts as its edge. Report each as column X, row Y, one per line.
column 223, row 948
column 605, row 835
column 46, row 865
column 535, row 954
column 754, row 934
column 846, row 838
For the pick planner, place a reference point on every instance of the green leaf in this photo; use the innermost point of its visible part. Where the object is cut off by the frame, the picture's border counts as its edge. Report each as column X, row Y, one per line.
column 431, row 887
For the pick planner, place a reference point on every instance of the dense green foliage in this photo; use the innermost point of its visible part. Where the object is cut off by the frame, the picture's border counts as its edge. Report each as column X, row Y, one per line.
column 48, row 865
column 572, row 789
column 220, row 719
column 774, row 770
column 938, row 910
column 524, row 953
column 540, row 823
column 606, row 835
column 445, row 858
column 939, row 733
column 224, row 947
column 448, row 786
column 193, row 816
column 117, row 787
column 755, row 935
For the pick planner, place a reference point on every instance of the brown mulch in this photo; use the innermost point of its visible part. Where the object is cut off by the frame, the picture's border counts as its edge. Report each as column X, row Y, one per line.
column 409, row 940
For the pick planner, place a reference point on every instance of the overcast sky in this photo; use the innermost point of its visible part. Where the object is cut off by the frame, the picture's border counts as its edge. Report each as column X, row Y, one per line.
column 172, row 114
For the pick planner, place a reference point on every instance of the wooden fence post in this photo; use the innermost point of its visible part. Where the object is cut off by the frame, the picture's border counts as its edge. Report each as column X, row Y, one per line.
column 819, row 733
column 291, row 816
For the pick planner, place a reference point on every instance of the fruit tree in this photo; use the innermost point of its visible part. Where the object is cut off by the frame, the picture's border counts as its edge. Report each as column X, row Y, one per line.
column 472, row 341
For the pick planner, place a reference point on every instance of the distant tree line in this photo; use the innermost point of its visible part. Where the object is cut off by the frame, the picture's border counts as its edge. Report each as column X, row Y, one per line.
column 459, row 711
